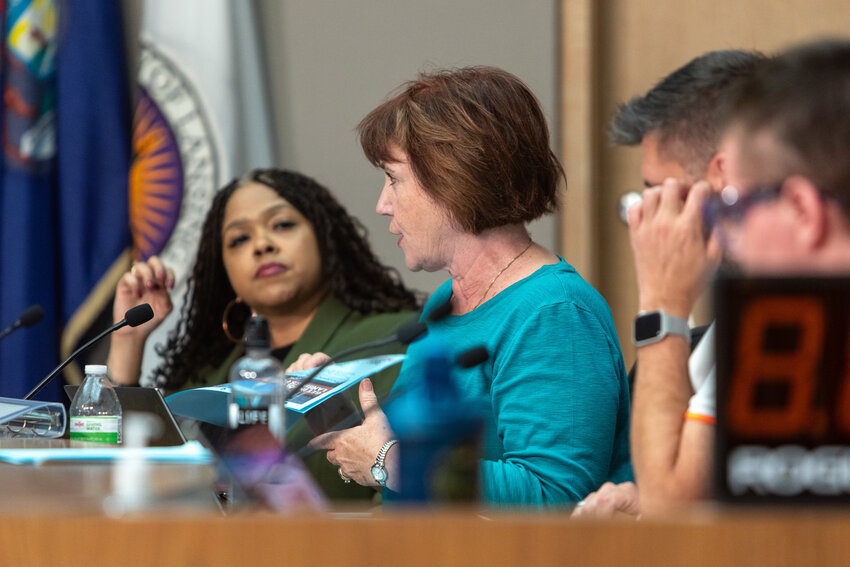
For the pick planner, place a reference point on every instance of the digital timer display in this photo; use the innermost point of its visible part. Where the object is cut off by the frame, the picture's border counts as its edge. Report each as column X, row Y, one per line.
column 783, row 389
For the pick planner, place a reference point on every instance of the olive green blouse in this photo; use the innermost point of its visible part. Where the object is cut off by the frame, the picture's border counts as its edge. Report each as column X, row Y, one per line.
column 334, row 327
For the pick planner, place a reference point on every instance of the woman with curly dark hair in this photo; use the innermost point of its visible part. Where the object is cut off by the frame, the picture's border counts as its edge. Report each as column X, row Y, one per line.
column 277, row 243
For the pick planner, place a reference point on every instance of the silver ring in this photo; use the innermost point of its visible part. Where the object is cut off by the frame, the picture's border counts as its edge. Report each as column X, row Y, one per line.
column 344, row 478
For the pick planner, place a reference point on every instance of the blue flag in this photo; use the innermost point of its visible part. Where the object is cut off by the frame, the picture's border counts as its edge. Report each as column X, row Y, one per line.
column 64, row 229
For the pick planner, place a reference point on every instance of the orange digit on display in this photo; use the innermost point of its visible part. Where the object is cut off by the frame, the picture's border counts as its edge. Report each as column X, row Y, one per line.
column 754, row 366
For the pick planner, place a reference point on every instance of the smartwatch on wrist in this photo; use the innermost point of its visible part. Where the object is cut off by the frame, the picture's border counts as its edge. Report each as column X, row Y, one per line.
column 379, row 471
column 652, row 326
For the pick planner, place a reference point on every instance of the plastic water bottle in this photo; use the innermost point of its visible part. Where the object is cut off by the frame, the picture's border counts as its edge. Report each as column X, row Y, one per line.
column 256, row 383
column 95, row 411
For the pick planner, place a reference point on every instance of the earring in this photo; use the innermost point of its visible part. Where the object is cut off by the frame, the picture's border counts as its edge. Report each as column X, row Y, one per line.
column 224, row 317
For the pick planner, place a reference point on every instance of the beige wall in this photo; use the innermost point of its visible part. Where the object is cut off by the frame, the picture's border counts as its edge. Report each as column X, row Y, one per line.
column 614, row 49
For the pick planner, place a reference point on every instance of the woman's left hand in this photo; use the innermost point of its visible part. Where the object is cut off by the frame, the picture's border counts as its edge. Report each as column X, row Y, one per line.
column 354, row 450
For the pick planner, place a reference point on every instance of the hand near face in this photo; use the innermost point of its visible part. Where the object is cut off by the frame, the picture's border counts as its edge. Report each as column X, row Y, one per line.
column 146, row 282
column 673, row 260
column 609, row 501
column 354, row 450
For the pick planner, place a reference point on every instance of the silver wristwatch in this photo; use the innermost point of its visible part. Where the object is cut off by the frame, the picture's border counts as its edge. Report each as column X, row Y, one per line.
column 379, row 472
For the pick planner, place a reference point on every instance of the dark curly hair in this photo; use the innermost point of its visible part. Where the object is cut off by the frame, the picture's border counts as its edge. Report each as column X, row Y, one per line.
column 353, row 274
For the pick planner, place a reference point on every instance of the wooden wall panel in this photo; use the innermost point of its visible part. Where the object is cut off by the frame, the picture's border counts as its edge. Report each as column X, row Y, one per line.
column 579, row 135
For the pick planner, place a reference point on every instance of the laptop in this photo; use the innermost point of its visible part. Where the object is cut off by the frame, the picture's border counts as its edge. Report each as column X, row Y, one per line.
column 150, row 401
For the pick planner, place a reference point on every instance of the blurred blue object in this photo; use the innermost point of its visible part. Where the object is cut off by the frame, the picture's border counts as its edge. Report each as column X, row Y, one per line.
column 439, row 435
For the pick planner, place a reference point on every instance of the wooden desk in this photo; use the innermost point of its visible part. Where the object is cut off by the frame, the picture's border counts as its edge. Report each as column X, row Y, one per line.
column 447, row 538
column 748, row 539
column 83, row 487
column 53, row 515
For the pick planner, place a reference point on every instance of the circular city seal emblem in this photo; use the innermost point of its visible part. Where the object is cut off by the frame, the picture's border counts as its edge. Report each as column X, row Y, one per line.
column 175, row 170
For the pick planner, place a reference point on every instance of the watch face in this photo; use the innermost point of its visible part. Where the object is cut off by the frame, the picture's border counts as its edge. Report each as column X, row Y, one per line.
column 379, row 474
column 647, row 326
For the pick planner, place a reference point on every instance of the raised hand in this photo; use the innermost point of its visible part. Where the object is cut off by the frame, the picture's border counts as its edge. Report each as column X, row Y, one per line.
column 673, row 258
column 146, row 282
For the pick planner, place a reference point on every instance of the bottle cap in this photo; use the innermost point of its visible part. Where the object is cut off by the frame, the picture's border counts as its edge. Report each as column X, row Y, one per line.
column 257, row 333
column 95, row 369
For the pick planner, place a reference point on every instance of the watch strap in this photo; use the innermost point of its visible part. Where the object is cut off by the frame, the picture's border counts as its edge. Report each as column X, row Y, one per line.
column 676, row 326
column 382, row 454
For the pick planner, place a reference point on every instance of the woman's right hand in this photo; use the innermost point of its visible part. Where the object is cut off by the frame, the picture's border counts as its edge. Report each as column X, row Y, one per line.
column 146, row 282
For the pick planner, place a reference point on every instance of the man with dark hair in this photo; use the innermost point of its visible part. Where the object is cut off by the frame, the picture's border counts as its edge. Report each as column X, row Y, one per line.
column 678, row 122
column 678, row 125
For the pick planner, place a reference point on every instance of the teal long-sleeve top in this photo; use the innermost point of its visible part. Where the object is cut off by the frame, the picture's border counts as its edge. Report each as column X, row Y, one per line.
column 554, row 390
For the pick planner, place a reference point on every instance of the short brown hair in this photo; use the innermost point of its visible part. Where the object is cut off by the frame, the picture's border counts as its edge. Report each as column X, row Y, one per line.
column 477, row 142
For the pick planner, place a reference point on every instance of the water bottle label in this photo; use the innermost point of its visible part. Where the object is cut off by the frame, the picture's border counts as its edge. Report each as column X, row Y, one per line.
column 253, row 416
column 99, row 429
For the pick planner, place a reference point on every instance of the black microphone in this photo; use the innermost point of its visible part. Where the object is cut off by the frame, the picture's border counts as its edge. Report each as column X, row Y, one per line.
column 472, row 357
column 440, row 311
column 133, row 317
column 31, row 315
column 405, row 335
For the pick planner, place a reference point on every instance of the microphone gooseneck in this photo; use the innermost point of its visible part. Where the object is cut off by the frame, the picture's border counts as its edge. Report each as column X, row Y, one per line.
column 405, row 335
column 409, row 332
column 133, row 317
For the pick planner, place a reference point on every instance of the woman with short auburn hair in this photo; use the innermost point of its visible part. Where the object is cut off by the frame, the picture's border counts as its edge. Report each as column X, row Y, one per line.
column 467, row 163
column 477, row 142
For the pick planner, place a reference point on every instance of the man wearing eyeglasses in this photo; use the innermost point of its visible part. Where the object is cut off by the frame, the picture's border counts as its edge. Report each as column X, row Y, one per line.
column 788, row 207
column 678, row 125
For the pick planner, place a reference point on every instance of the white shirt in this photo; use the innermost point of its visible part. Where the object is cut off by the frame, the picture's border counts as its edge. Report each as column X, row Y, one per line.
column 701, row 367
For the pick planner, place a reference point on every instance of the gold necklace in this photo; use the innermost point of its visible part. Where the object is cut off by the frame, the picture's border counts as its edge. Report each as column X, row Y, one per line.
column 486, row 291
